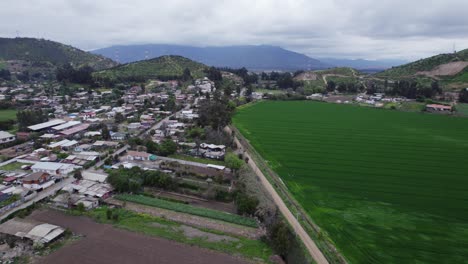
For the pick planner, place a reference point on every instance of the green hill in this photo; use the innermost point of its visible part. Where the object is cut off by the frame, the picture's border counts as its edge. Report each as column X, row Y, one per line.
column 42, row 53
column 425, row 65
column 163, row 67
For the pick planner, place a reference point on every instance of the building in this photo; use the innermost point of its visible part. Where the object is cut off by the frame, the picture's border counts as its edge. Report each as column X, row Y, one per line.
column 438, row 108
column 118, row 136
column 212, row 151
column 6, row 137
column 135, row 155
column 53, row 168
column 37, row 180
column 36, row 232
column 48, row 124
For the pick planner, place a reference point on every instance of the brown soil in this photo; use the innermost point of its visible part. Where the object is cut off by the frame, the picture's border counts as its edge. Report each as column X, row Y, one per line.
column 106, row 244
column 447, row 69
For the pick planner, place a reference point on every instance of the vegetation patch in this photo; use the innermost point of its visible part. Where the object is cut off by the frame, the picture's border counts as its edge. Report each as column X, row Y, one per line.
column 159, row 227
column 184, row 208
column 13, row 166
column 7, row 114
column 386, row 186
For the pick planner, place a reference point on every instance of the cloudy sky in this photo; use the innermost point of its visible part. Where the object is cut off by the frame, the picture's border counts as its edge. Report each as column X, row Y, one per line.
column 402, row 29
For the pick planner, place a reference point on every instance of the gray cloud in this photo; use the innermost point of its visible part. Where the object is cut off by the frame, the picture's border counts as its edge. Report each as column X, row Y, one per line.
column 340, row 28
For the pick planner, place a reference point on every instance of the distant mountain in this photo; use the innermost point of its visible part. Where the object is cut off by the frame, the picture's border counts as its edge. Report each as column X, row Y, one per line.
column 164, row 67
column 362, row 64
column 261, row 57
column 443, row 66
column 45, row 53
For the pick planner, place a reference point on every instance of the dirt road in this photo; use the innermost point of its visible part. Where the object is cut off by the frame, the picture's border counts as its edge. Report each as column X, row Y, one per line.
column 314, row 251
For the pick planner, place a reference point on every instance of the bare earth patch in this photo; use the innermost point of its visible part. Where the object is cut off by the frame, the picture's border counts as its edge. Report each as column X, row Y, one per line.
column 104, row 243
column 196, row 233
column 447, row 69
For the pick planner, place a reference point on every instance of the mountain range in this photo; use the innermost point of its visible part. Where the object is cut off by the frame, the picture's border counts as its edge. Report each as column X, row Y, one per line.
column 261, row 57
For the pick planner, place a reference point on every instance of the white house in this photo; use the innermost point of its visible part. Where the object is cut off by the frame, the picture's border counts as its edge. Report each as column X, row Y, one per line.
column 53, row 168
column 6, row 137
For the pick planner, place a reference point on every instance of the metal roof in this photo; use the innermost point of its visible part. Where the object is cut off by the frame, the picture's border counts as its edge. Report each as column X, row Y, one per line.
column 51, row 123
column 66, row 125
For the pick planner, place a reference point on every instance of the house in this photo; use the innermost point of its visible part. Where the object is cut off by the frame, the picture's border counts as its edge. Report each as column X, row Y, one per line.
column 135, row 155
column 6, row 137
column 438, row 108
column 35, row 180
column 118, row 136
column 212, row 151
column 53, row 168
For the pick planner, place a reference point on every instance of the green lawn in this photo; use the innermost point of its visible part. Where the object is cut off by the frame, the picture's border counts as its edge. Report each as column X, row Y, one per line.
column 154, row 226
column 7, row 114
column 13, row 166
column 196, row 159
column 185, row 208
column 462, row 109
column 387, row 186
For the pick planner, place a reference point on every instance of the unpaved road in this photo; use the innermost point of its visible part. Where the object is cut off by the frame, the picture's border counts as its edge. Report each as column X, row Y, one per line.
column 106, row 244
column 314, row 251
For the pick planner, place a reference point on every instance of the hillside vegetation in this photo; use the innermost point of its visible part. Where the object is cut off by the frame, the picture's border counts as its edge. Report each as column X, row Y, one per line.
column 428, row 64
column 163, row 67
column 43, row 53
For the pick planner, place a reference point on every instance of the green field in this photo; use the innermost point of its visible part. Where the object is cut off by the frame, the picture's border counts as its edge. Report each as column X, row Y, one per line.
column 185, row 208
column 387, row 186
column 7, row 114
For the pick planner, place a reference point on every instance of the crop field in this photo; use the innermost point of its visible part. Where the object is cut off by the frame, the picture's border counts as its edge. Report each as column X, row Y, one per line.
column 184, row 208
column 386, row 186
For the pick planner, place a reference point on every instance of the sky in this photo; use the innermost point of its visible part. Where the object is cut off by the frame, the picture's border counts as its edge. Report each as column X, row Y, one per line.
column 369, row 29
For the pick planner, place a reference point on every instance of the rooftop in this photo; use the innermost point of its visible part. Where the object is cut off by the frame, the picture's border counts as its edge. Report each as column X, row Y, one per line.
column 47, row 124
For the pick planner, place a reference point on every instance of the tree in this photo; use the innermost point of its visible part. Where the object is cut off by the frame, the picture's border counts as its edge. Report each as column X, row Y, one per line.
column 463, row 96
column 186, row 76
column 119, row 118
column 77, row 175
column 215, row 113
column 30, row 117
column 167, row 147
column 331, row 86
column 281, row 237
column 105, row 132
column 246, row 205
column 233, row 162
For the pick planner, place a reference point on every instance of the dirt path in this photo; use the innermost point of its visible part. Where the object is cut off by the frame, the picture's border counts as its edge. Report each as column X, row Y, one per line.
column 314, row 251
column 192, row 220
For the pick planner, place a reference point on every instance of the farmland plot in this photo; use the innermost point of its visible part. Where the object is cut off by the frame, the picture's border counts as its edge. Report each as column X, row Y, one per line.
column 386, row 186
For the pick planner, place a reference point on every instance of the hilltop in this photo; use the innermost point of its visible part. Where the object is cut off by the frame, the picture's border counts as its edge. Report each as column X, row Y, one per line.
column 164, row 67
column 46, row 54
column 262, row 57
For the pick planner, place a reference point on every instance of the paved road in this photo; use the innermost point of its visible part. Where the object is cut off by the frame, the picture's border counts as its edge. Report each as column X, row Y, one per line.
column 314, row 251
column 41, row 195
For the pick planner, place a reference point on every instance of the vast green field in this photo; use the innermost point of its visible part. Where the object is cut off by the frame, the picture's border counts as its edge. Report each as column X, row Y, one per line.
column 387, row 186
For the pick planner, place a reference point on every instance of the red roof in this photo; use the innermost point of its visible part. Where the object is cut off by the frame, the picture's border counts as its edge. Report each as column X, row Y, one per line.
column 9, row 179
column 439, row 106
column 74, row 130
